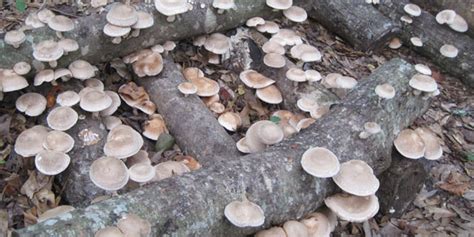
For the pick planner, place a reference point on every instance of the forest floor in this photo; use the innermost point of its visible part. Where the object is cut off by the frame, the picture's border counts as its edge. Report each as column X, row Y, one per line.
column 443, row 208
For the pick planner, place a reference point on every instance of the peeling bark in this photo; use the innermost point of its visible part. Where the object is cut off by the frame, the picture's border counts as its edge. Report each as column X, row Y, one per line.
column 193, row 204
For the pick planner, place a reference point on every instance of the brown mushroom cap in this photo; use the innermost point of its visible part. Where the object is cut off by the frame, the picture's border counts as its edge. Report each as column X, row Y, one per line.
column 122, row 15
column 30, row 142
column 187, row 88
column 295, row 228
column 244, row 213
column 356, row 177
column 410, row 144
column 433, row 149
column 395, row 43
column 154, row 127
column 150, row 65
column 423, row 83
column 51, row 162
column 205, row 86
column 109, row 173
column 217, row 43
column 320, row 162
column 353, row 208
column 279, row 4
column 254, row 79
column 270, row 95
column 62, row 118
column 296, row 14
column 32, row 104
column 133, row 225
column 385, row 91
column 230, row 121
column 122, row 142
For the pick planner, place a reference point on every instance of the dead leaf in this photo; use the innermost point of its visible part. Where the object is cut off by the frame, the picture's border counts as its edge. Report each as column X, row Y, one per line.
column 454, row 185
column 35, row 182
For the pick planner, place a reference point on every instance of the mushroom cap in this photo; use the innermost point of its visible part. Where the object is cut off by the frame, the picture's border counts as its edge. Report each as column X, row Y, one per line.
column 286, row 37
column 217, row 43
column 94, row 83
column 296, row 14
column 317, row 224
column 45, row 15
column 154, row 127
column 273, row 47
column 169, row 45
column 141, row 172
column 140, row 157
column 353, row 208
column 68, row 45
column 47, row 51
column 385, row 91
column 22, row 68
column 230, row 121
column 242, row 146
column 319, row 111
column 244, row 214
column 269, row 27
column 423, row 69
column 459, row 24
column 272, row 232
column 109, row 173
column 62, row 118
column 372, row 127
column 255, row 21
column 122, row 142
column 279, row 4
column 14, row 37
column 305, row 53
column 295, row 228
column 191, row 73
column 306, row 104
column 223, row 4
column 140, row 54
column 445, row 16
column 330, row 80
column 270, row 95
column 312, row 75
column 304, row 123
column 145, row 20
column 345, row 82
column 423, row 83
column 62, row 72
column 95, row 101
column 68, row 98
column 57, row 211
column 33, row 20
column 111, row 122
column 449, row 51
column 171, row 7
column 412, row 9
column 30, row 142
column 10, row 81
column 132, row 94
column 168, row 169
column 274, row 60
column 46, row 75
column 150, row 65
column 395, row 43
column 122, row 15
column 416, row 41
column 433, row 149
column 116, row 31
column 206, row 87
column 109, row 231
column 187, row 88
column 51, row 162
column 82, row 70
column 356, row 177
column 61, row 23
column 410, row 144
column 133, row 225
column 268, row 132
column 116, row 102
column 296, row 74
column 320, row 162
column 147, row 107
column 217, row 108
column 32, row 104
column 58, row 141
column 255, row 80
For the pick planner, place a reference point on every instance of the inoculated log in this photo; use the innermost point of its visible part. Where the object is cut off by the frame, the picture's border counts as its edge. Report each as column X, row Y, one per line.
column 434, row 36
column 193, row 204
column 96, row 47
column 189, row 120
column 357, row 22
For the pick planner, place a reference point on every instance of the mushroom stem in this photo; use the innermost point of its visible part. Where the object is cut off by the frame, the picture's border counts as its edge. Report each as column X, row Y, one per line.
column 416, row 92
column 59, row 34
column 136, row 33
column 171, row 18
column 16, row 46
column 116, row 40
column 53, row 64
column 364, row 135
column 54, row 83
column 220, row 11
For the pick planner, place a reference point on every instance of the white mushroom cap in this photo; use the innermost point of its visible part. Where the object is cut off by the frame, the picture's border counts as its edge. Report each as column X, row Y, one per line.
column 223, row 4
column 272, row 232
column 46, row 75
column 270, row 95
column 94, row 83
column 305, row 53
column 171, row 7
column 295, row 228
column 150, row 65
column 412, row 9
column 269, row 27
column 423, row 83
column 169, row 45
column 122, row 142
column 296, row 75
column 274, row 60
column 416, row 41
column 68, row 45
column 433, row 149
column 15, row 38
column 330, row 80
column 33, row 21
column 58, row 141
column 168, row 169
column 145, row 20
column 267, row 132
column 459, row 24
column 111, row 122
column 132, row 225
column 45, row 15
column 230, row 121
column 242, row 146
column 109, row 231
column 68, row 98
column 140, row 157
column 296, row 14
column 286, row 37
column 52, row 213
column 30, row 142
column 406, row 19
column 187, row 88
column 244, row 213
column 158, row 48
column 409, row 144
column 217, row 43
column 312, row 75
column 154, row 127
column 449, row 51
column 385, row 91
column 273, row 47
column 63, row 73
column 141, row 172
column 255, row 21
column 51, row 162
column 22, row 68
column 353, row 208
column 10, row 81
column 109, row 173
column 116, row 102
column 445, row 16
column 356, row 177
column 423, row 69
column 372, row 127
column 62, row 118
column 61, row 23
column 320, row 162
column 116, row 31
column 95, row 101
column 306, row 104
column 395, row 43
column 279, row 4
column 345, row 82
column 317, row 224
column 32, row 104
column 82, row 70
column 122, row 15
column 255, row 80
column 47, row 51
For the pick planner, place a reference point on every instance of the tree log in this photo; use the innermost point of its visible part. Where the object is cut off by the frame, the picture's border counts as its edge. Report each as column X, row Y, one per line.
column 189, row 120
column 357, row 22
column 193, row 204
column 434, row 36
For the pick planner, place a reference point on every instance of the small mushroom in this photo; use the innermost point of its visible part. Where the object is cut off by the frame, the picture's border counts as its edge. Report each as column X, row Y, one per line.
column 279, row 4
column 217, row 108
column 423, row 69
column 117, row 32
column 62, row 118
column 60, row 24
column 416, row 41
column 45, row 15
column 95, row 101
column 116, row 102
column 168, row 169
column 122, row 15
column 187, row 88
column 268, row 27
column 255, row 21
column 286, row 37
column 385, row 91
column 15, row 38
column 30, row 142
column 58, row 141
column 319, row 111
column 171, row 8
column 145, row 20
column 82, row 70
column 305, row 53
column 274, row 60
column 48, row 51
column 244, row 213
column 395, row 43
column 317, row 224
column 94, row 83
column 223, row 5
column 273, row 47
column 445, row 16
column 141, row 172
column 109, row 173
column 242, row 146
column 111, row 122
column 353, row 208
column 423, row 83
column 122, row 142
column 312, row 75
column 22, row 68
column 206, row 87
column 295, row 14
column 262, row 133
column 409, row 144
column 412, row 9
column 68, row 45
column 230, row 121
column 370, row 128
column 62, row 73
column 51, row 162
column 433, row 148
column 150, row 65
column 154, row 127
column 32, row 104
column 68, row 98
column 406, row 19
column 357, row 178
column 255, row 80
column 459, row 24
column 270, row 95
column 133, row 225
column 320, row 162
column 46, row 75
column 449, row 51
column 33, row 21
column 306, row 104
column 217, row 43
column 296, row 75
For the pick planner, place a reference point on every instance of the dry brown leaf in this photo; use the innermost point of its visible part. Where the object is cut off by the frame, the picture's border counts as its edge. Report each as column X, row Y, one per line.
column 454, row 185
column 35, row 182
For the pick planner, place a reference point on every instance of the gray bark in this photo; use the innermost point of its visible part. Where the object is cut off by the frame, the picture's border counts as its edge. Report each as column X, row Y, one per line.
column 434, row 36
column 193, row 204
column 357, row 22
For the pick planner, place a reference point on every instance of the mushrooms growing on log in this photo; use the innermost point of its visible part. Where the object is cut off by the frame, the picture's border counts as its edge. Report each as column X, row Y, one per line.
column 193, row 204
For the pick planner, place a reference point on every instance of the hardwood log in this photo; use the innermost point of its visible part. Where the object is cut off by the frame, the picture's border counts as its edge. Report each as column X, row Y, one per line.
column 193, row 204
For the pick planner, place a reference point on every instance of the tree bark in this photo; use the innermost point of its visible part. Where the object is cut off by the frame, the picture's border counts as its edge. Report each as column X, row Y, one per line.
column 193, row 204
column 434, row 36
column 357, row 22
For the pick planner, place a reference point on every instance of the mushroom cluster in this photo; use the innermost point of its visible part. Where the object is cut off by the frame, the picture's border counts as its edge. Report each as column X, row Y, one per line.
column 122, row 19
column 128, row 225
column 418, row 143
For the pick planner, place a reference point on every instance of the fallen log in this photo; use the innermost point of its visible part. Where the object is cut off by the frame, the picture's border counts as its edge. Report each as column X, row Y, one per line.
column 434, row 36
column 189, row 120
column 357, row 22
column 193, row 204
